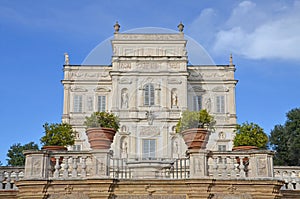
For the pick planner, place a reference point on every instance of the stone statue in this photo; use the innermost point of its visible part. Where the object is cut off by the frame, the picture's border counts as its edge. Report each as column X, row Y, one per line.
column 208, row 104
column 124, row 149
column 67, row 61
column 124, row 100
column 174, row 98
column 90, row 103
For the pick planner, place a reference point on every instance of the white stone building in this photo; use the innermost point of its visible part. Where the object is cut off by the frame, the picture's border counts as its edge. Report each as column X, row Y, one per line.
column 148, row 84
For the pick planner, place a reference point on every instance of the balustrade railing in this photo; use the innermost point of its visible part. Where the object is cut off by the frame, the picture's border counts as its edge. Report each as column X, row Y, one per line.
column 8, row 177
column 70, row 165
column 290, row 175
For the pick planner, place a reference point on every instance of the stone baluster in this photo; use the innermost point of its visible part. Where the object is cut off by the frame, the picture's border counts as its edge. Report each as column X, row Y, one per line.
column 8, row 181
column 83, row 167
column 74, row 167
column 1, row 180
column 16, row 179
column 232, row 167
column 56, row 167
column 224, row 167
column 66, row 167
column 215, row 167
column 242, row 169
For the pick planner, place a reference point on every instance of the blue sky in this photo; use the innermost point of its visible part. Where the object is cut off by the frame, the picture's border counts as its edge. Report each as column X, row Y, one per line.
column 263, row 36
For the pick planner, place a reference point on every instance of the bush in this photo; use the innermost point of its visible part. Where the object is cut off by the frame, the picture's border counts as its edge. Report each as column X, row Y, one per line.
column 102, row 119
column 58, row 134
column 250, row 135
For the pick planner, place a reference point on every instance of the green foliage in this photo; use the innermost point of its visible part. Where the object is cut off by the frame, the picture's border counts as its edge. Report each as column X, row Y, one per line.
column 195, row 119
column 1, row 163
column 58, row 134
column 250, row 135
column 102, row 119
column 15, row 153
column 285, row 140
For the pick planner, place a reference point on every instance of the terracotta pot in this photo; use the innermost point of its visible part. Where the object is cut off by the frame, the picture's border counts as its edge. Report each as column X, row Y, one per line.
column 100, row 138
column 244, row 148
column 195, row 138
column 54, row 148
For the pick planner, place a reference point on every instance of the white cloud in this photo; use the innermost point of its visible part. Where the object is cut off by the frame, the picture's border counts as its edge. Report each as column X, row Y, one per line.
column 260, row 31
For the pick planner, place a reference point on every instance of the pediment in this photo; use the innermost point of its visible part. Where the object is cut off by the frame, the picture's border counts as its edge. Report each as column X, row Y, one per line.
column 125, row 81
column 197, row 89
column 220, row 89
column 102, row 89
column 79, row 89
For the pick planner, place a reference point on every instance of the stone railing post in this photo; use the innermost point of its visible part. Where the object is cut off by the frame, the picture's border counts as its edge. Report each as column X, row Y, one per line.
column 198, row 163
column 261, row 163
column 37, row 165
column 100, row 161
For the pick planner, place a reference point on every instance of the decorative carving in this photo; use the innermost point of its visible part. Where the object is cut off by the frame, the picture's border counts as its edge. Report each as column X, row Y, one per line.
column 174, row 81
column 261, row 166
column 89, row 75
column 125, row 65
column 222, row 135
column 68, row 196
column 69, row 189
column 149, row 131
column 149, row 190
column 149, row 37
column 148, row 65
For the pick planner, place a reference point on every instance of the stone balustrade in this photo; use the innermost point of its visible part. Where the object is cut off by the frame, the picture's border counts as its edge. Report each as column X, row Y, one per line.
column 240, row 164
column 9, row 175
column 101, row 164
column 290, row 175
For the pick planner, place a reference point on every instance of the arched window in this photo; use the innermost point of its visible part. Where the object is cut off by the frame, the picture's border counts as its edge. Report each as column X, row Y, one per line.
column 149, row 95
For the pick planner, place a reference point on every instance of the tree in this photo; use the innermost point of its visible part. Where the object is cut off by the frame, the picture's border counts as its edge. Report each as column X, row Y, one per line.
column 0, row 163
column 250, row 134
column 15, row 153
column 285, row 140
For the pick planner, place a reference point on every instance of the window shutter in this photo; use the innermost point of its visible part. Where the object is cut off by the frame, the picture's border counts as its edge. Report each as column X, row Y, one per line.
column 197, row 103
column 149, row 95
column 77, row 103
column 101, row 103
column 220, row 104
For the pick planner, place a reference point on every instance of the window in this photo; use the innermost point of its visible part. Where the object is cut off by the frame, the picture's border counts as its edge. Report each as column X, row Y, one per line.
column 220, row 104
column 101, row 103
column 149, row 147
column 221, row 147
column 76, row 147
column 149, row 95
column 197, row 102
column 77, row 103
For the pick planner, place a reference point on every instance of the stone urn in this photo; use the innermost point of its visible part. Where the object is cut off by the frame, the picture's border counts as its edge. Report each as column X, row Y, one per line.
column 195, row 138
column 100, row 138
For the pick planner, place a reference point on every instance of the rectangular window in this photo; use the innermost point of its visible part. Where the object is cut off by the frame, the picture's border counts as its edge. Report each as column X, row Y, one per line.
column 102, row 103
column 77, row 104
column 197, row 102
column 149, row 95
column 149, row 148
column 221, row 147
column 220, row 104
column 76, row 147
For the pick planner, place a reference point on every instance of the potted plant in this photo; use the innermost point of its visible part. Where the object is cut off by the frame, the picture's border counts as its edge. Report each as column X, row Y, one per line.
column 194, row 127
column 101, row 128
column 57, row 136
column 249, row 136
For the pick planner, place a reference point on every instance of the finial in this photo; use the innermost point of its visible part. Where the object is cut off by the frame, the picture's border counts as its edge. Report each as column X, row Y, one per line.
column 117, row 27
column 230, row 60
column 180, row 27
column 67, row 61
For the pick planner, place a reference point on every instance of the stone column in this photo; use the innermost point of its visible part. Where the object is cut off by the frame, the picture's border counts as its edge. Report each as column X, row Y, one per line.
column 198, row 163
column 66, row 108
